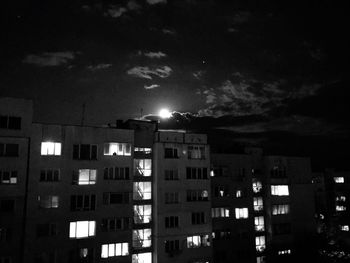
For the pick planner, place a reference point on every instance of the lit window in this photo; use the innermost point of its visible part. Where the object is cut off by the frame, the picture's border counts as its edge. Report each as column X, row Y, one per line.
column 280, row 190
column 280, row 209
column 114, row 250
column 142, row 237
column 241, row 213
column 239, row 193
column 82, row 229
column 8, row 177
column 259, row 223
column 85, row 177
column 196, row 152
column 142, row 191
column 143, row 150
column 50, row 148
column 284, row 252
column 142, row 258
column 212, row 173
column 198, row 241
column 258, row 204
column 340, row 198
column 143, row 167
column 338, row 180
column 257, row 186
column 142, row 214
column 260, row 243
column 340, row 208
column 344, row 227
column 114, row 148
column 220, row 212
column 48, row 201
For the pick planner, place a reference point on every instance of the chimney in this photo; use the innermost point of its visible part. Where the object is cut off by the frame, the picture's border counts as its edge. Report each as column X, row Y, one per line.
column 119, row 124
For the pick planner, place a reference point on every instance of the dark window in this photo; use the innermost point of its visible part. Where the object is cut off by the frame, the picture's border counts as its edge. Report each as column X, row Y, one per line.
column 172, row 245
column 50, row 175
column 171, row 175
column 196, row 173
column 9, row 149
column 222, row 234
column 116, row 173
column 81, row 255
column 5, row 234
column 170, row 153
column 7, row 205
column 46, row 230
column 172, row 198
column 220, row 171
column 198, row 218
column 3, row 122
column 115, row 224
column 46, row 257
column 115, row 198
column 221, row 191
column 82, row 202
column 281, row 229
column 171, row 221
column 197, row 195
column 278, row 172
column 13, row 123
column 84, row 152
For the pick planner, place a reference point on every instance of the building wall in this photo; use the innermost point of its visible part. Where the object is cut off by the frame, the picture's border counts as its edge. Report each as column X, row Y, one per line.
column 60, row 245
column 283, row 232
column 12, row 219
column 184, row 208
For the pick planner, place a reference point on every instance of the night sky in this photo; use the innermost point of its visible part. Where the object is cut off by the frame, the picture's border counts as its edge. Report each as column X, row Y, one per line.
column 251, row 72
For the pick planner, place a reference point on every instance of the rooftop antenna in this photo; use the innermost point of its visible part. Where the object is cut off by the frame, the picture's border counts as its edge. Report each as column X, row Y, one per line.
column 83, row 115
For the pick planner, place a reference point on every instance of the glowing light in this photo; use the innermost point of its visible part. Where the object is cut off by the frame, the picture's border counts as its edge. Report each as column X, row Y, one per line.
column 164, row 113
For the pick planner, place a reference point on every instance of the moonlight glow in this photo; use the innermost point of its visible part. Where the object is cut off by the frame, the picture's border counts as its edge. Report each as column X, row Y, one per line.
column 164, row 113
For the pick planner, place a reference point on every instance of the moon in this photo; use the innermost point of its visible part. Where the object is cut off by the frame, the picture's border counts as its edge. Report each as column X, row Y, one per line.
column 164, row 114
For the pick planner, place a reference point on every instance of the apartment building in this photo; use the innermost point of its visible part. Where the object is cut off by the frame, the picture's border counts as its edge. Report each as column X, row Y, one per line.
column 337, row 186
column 101, row 194
column 182, row 221
column 131, row 192
column 15, row 131
column 263, row 208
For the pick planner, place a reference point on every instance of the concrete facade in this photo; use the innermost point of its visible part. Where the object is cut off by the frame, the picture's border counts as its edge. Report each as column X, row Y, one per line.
column 278, row 194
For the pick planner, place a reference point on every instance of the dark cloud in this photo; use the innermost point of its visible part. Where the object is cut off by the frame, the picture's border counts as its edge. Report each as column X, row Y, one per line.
column 50, row 59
